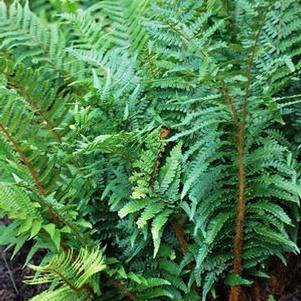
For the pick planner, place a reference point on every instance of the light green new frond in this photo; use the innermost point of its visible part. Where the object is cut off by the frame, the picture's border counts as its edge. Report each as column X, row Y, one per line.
column 62, row 294
column 71, row 275
column 132, row 207
column 147, row 166
column 157, row 228
column 155, row 188
column 168, row 172
column 150, row 211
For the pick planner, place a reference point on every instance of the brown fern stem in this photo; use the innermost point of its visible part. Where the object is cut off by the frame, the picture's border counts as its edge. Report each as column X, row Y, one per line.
column 54, row 214
column 164, row 133
column 41, row 190
column 121, row 288
column 24, row 160
column 241, row 210
column 235, row 291
column 230, row 102
column 85, row 287
column 37, row 110
column 180, row 235
column 56, row 217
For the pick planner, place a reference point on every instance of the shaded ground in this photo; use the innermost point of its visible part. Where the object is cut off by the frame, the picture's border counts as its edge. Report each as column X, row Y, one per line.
column 12, row 275
column 19, row 291
column 286, row 282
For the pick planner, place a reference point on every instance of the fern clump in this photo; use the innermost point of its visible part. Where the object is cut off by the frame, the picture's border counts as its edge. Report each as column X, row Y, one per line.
column 151, row 147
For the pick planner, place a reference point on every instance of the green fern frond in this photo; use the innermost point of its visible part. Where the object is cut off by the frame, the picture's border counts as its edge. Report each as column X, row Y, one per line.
column 71, row 275
column 125, row 20
column 25, row 36
column 17, row 205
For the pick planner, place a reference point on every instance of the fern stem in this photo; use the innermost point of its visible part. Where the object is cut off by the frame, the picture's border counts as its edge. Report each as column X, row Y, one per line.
column 73, row 287
column 230, row 102
column 121, row 288
column 235, row 291
column 37, row 110
column 55, row 215
column 180, row 235
column 24, row 160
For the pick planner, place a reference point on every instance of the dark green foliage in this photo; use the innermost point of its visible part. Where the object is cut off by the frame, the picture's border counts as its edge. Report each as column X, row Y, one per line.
column 132, row 135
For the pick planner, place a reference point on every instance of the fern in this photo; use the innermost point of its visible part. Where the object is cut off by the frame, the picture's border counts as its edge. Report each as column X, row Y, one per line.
column 26, row 37
column 166, row 131
column 71, row 277
column 125, row 18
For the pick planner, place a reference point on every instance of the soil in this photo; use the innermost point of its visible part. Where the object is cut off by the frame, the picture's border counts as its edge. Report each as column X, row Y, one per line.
column 284, row 283
column 7, row 290
column 290, row 277
column 14, row 269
